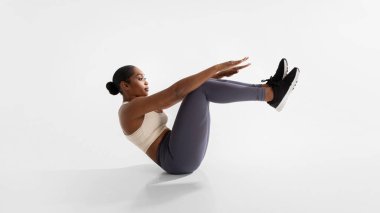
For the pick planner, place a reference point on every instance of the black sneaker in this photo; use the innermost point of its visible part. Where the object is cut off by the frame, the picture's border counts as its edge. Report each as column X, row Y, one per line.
column 280, row 74
column 282, row 89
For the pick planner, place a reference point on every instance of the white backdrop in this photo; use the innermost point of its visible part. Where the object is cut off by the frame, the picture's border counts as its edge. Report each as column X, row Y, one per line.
column 60, row 130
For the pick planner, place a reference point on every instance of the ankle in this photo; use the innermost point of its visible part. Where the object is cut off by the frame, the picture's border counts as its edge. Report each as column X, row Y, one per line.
column 268, row 94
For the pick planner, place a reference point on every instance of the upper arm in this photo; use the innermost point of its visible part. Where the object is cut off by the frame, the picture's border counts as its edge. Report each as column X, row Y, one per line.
column 160, row 100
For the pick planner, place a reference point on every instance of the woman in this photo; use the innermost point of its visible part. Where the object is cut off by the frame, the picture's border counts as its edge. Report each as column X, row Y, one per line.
column 181, row 150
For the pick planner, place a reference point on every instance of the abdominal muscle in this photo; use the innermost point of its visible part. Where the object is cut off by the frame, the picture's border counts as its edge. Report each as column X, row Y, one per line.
column 152, row 150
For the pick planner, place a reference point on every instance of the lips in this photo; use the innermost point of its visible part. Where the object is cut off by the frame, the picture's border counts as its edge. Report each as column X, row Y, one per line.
column 146, row 89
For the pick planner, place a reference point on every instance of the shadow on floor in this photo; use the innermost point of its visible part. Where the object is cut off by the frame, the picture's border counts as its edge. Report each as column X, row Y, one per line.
column 140, row 187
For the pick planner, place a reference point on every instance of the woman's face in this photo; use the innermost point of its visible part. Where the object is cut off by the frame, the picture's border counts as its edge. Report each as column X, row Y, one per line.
column 138, row 85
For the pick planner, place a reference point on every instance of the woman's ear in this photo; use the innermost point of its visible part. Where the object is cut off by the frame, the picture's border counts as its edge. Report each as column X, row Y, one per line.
column 124, row 86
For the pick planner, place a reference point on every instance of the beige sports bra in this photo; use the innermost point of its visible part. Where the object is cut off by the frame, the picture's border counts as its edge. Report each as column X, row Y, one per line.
column 153, row 125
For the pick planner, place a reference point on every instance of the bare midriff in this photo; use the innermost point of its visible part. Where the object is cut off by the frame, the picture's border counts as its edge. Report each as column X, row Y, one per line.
column 152, row 150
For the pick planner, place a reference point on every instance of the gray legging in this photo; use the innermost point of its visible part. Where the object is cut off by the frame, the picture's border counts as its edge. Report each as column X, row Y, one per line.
column 182, row 149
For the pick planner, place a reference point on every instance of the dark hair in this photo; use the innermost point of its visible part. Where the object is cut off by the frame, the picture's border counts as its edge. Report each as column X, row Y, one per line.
column 121, row 74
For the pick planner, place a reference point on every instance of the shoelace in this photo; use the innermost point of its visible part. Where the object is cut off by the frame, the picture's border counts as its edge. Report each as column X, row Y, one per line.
column 271, row 82
column 268, row 80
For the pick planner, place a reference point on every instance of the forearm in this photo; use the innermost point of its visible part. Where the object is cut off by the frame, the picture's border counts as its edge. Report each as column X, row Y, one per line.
column 188, row 84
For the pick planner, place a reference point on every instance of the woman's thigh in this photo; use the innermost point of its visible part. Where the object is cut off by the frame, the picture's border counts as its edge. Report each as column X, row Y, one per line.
column 188, row 140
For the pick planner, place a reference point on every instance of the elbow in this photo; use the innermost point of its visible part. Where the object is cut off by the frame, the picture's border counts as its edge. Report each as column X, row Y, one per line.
column 173, row 96
column 179, row 92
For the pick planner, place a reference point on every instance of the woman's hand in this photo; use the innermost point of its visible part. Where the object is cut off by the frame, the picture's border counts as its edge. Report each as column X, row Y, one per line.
column 229, row 72
column 227, row 65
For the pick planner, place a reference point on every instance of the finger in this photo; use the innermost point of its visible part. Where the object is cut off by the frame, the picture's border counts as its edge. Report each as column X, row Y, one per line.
column 241, row 67
column 246, row 65
column 235, row 62
column 244, row 59
column 228, row 64
column 232, row 74
column 241, row 60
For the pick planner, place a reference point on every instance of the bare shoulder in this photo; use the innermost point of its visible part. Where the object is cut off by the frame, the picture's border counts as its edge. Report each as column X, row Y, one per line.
column 128, row 111
column 131, row 108
column 129, row 123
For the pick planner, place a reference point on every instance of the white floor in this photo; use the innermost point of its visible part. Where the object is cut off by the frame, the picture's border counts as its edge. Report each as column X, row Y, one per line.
column 213, row 188
column 62, row 149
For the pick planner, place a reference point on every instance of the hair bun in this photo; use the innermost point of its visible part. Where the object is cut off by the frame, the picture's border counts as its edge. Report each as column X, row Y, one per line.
column 112, row 88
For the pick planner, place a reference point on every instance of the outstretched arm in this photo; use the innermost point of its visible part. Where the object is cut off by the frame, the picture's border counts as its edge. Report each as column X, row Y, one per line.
column 188, row 84
column 176, row 92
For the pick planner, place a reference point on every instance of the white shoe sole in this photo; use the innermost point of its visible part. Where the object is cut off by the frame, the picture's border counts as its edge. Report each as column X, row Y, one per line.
column 286, row 68
column 283, row 101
